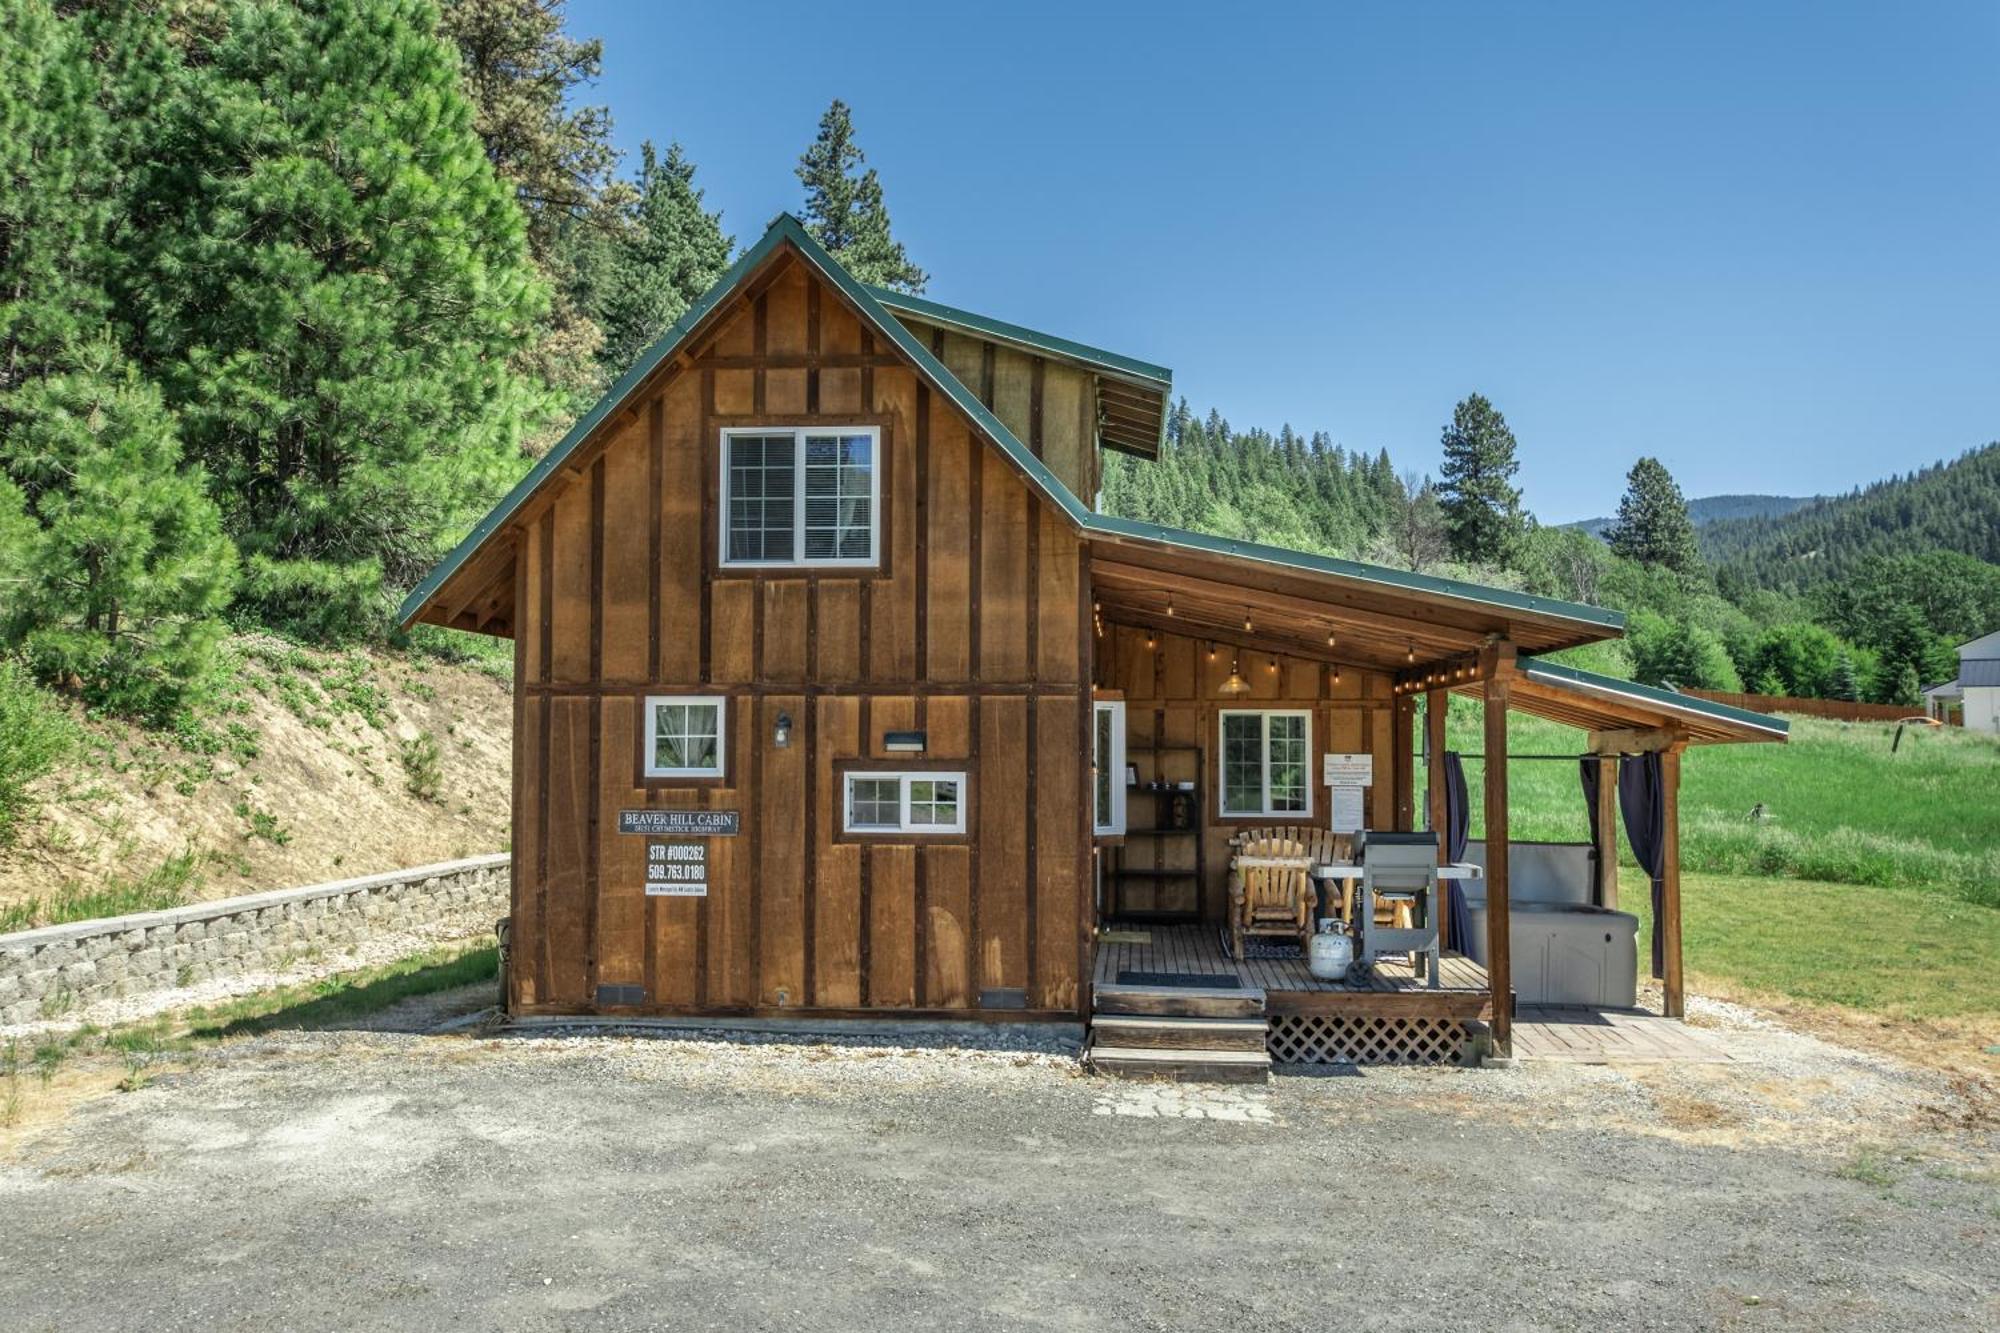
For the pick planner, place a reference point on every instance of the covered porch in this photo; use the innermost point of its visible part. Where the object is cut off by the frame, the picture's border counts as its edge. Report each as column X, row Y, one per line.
column 1191, row 628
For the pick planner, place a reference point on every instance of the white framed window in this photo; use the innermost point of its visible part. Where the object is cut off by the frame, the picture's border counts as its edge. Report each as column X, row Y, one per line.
column 686, row 735
column 1107, row 761
column 804, row 495
column 915, row 802
column 1266, row 762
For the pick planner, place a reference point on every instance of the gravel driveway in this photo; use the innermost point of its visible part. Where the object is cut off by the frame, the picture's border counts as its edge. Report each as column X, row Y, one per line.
column 387, row 1180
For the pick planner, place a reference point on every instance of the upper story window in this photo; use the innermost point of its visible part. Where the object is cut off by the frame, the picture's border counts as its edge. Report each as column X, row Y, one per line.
column 1266, row 757
column 801, row 495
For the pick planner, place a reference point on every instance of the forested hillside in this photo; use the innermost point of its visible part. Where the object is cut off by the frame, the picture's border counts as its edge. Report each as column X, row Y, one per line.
column 1951, row 506
column 1286, row 489
column 290, row 292
column 1910, row 584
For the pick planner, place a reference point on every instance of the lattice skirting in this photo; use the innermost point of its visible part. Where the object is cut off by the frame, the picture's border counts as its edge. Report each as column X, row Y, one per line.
column 1324, row 1039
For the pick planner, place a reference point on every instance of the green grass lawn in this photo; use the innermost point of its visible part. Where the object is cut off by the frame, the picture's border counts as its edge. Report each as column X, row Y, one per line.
column 1902, row 953
column 1873, row 883
column 1840, row 807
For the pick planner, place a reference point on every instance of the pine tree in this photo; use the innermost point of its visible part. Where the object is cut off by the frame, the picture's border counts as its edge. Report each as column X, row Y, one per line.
column 1905, row 690
column 520, row 70
column 1482, row 507
column 844, row 210
column 1653, row 526
column 112, row 559
column 330, row 282
column 129, row 571
column 1845, row 683
column 673, row 254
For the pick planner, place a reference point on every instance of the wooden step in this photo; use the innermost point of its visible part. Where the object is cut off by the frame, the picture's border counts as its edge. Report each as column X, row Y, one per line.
column 1181, row 1066
column 1178, row 1002
column 1188, row 1034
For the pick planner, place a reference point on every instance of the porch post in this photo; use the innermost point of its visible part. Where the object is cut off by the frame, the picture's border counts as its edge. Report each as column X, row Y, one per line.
column 1405, row 770
column 1499, row 937
column 1607, row 830
column 1669, row 924
column 1435, row 703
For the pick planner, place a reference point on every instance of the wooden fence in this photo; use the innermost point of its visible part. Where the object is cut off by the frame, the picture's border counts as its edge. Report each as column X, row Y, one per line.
column 1838, row 710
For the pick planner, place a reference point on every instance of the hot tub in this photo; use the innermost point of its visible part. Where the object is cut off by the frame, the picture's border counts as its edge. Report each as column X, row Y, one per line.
column 1566, row 954
column 1564, row 950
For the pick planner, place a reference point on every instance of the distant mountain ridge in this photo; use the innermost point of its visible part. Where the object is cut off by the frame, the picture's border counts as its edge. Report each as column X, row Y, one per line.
column 1949, row 506
column 1719, row 509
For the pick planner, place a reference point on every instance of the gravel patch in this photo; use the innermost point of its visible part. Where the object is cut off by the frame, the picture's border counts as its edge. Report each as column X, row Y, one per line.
column 587, row 1179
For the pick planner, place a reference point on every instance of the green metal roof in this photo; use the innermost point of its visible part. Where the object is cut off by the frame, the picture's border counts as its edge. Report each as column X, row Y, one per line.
column 786, row 228
column 1401, row 580
column 1156, row 377
column 1554, row 673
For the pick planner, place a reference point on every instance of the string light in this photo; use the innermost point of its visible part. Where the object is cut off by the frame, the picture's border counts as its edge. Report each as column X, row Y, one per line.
column 1211, row 650
column 1149, row 641
column 1329, row 638
column 1246, row 625
column 1411, row 655
column 1336, row 673
column 1170, row 606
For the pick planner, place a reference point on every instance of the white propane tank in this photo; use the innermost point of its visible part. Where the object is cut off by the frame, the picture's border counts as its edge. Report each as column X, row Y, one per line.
column 1329, row 953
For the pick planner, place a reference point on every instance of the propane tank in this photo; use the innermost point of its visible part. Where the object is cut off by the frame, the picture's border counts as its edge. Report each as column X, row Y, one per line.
column 1329, row 953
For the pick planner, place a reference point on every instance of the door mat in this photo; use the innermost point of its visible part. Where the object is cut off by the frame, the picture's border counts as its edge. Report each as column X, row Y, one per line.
column 1126, row 937
column 1191, row 980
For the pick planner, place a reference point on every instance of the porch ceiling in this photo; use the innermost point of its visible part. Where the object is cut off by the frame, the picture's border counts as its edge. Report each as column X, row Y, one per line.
column 1605, row 704
column 1211, row 596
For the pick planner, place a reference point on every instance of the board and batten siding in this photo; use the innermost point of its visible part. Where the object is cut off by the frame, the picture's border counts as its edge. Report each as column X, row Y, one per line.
column 1173, row 693
column 972, row 629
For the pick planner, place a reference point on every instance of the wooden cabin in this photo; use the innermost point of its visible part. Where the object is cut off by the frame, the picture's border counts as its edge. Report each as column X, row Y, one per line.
column 829, row 679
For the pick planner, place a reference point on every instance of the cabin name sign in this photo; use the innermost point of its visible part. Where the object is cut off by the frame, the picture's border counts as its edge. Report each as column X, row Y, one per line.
column 686, row 823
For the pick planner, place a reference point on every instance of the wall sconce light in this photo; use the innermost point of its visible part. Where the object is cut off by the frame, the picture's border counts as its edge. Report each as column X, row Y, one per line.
column 903, row 742
column 781, row 731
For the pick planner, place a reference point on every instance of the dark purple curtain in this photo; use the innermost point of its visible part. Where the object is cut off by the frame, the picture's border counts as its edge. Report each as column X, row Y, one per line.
column 1642, row 801
column 1591, row 768
column 1457, row 823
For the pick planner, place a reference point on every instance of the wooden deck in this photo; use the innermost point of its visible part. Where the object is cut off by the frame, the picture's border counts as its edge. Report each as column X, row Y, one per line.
column 1612, row 1036
column 1288, row 987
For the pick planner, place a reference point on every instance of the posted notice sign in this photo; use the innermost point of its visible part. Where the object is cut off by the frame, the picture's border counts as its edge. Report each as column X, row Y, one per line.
column 676, row 869
column 1349, row 770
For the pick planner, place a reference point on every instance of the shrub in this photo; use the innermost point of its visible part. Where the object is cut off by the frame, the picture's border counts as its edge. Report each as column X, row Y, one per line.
column 422, row 768
column 35, row 734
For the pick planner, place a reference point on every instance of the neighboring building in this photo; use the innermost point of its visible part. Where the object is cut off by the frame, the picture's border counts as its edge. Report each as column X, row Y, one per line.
column 831, row 690
column 1975, row 695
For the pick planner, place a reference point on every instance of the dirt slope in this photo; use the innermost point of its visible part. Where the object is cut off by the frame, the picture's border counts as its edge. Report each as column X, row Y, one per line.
column 319, row 766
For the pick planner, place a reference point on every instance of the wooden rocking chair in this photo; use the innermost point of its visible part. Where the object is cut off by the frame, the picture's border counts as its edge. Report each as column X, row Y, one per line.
column 1270, row 892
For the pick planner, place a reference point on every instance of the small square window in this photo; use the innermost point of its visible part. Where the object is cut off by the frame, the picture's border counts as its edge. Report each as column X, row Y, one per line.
column 685, row 736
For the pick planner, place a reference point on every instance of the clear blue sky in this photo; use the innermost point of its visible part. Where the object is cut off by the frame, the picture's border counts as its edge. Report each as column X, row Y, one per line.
column 1761, row 242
